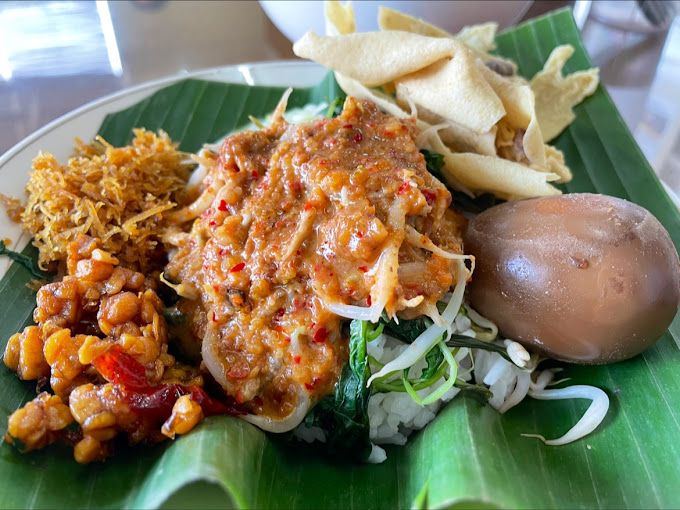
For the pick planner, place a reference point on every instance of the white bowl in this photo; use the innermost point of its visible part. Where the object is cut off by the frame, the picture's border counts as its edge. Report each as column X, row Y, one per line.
column 294, row 18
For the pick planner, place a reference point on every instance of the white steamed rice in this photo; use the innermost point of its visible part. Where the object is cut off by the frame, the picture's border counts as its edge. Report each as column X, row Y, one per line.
column 394, row 416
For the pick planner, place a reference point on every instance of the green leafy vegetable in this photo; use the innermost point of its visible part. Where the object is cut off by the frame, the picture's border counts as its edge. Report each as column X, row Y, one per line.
column 344, row 415
column 434, row 163
column 25, row 261
column 474, row 205
column 406, row 331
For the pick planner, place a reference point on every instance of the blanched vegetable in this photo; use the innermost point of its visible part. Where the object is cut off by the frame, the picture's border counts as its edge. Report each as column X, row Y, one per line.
column 343, row 416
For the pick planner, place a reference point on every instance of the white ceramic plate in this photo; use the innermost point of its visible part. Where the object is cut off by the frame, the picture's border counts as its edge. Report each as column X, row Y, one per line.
column 57, row 136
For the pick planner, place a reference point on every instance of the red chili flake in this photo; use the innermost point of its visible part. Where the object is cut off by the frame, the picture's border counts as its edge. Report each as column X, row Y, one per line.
column 255, row 174
column 234, row 167
column 429, row 195
column 222, row 252
column 321, row 335
column 287, row 340
column 214, row 317
column 323, row 162
column 237, row 267
column 404, row 187
column 363, row 269
column 297, row 359
column 310, row 385
column 216, row 288
column 348, row 126
column 222, row 206
column 297, row 253
column 279, row 328
column 360, row 234
column 308, row 206
column 212, row 223
column 368, row 300
column 358, row 137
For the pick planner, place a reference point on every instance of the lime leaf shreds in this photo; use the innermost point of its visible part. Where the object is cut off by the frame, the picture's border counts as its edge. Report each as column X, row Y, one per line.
column 24, row 260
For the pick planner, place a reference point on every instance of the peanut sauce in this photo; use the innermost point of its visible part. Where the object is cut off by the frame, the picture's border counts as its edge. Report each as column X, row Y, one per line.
column 301, row 215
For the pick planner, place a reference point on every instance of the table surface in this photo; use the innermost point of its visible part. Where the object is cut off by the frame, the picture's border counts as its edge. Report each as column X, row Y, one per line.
column 57, row 55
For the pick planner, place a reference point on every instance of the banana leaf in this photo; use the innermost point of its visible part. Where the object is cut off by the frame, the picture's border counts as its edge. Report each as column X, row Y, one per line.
column 470, row 456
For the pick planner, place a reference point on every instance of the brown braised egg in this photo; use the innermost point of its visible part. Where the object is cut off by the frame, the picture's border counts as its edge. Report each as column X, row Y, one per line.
column 583, row 278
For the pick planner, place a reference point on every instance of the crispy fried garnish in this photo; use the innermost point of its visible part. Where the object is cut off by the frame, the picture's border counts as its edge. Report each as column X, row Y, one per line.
column 116, row 194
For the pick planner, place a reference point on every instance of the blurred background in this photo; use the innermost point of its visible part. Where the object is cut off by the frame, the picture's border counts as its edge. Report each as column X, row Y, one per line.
column 58, row 55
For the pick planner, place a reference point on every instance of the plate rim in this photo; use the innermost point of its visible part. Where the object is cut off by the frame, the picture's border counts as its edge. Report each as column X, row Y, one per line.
column 7, row 156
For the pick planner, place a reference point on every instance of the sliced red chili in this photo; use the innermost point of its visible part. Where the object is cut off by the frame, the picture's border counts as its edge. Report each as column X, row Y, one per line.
column 311, row 385
column 118, row 367
column 157, row 403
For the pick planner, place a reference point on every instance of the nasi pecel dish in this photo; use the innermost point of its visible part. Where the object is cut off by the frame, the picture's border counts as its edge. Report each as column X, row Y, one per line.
column 335, row 276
